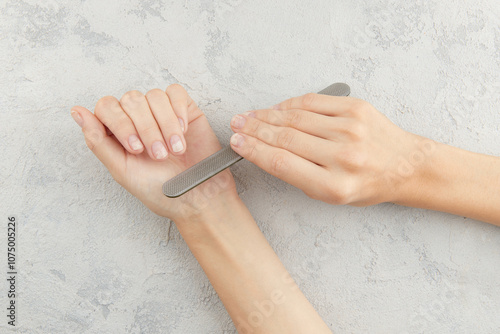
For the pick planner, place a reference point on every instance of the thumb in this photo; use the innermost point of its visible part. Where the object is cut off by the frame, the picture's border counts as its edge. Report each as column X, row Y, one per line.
column 106, row 148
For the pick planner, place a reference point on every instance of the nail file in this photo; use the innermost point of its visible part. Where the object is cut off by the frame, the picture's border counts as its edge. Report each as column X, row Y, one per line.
column 217, row 162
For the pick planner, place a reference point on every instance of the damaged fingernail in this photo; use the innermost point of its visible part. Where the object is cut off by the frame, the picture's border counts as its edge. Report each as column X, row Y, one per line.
column 176, row 143
column 238, row 121
column 77, row 117
column 237, row 140
column 159, row 150
column 135, row 143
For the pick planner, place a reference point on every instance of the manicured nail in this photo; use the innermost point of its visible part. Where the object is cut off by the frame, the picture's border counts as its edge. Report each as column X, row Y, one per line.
column 159, row 150
column 77, row 117
column 276, row 107
column 249, row 114
column 135, row 143
column 237, row 140
column 181, row 122
column 238, row 121
column 176, row 143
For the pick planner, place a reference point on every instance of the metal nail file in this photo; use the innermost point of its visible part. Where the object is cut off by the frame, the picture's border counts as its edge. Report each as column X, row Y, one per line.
column 217, row 162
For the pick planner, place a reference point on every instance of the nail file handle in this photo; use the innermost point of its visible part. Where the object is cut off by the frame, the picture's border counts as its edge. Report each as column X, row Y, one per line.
column 217, row 162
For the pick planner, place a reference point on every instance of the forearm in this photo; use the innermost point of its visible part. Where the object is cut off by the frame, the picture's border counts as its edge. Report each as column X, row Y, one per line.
column 248, row 276
column 457, row 181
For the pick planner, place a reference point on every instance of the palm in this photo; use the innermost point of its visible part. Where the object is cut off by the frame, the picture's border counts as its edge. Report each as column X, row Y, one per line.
column 144, row 177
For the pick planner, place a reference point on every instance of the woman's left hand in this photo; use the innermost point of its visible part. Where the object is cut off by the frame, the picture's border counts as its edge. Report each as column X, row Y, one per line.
column 144, row 140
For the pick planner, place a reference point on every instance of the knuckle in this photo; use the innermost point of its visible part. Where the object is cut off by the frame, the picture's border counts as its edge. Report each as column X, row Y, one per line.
column 253, row 126
column 276, row 118
column 308, row 100
column 288, row 104
column 176, row 91
column 105, row 103
column 175, row 87
column 149, row 131
column 285, row 139
column 90, row 144
column 294, row 118
column 315, row 193
column 154, row 93
column 93, row 138
column 311, row 194
column 352, row 159
column 338, row 193
column 251, row 150
column 360, row 108
column 132, row 98
column 279, row 163
column 358, row 130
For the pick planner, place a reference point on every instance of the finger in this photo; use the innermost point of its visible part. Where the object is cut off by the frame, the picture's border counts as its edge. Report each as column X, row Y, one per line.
column 318, row 125
column 281, row 163
column 106, row 148
column 319, row 103
column 307, row 146
column 136, row 106
column 167, row 120
column 179, row 100
column 109, row 112
column 193, row 111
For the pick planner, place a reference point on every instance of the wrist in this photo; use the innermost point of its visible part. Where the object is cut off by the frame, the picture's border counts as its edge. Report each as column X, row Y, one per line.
column 418, row 170
column 211, row 210
column 431, row 185
column 202, row 200
column 212, row 227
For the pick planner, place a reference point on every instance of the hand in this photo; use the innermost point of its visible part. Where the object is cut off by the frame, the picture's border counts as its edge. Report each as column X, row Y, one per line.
column 340, row 150
column 144, row 140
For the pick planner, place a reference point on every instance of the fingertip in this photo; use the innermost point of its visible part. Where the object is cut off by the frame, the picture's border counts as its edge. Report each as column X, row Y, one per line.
column 159, row 151
column 77, row 108
column 77, row 117
column 237, row 141
column 93, row 130
column 81, row 113
column 177, row 144
column 135, row 144
column 183, row 124
column 179, row 100
column 82, row 110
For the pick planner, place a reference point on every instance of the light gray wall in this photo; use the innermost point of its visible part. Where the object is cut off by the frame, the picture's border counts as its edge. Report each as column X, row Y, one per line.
column 92, row 259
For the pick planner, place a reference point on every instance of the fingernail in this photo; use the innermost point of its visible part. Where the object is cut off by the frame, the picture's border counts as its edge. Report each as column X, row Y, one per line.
column 237, row 140
column 135, row 143
column 159, row 150
column 238, row 121
column 249, row 114
column 276, row 107
column 176, row 143
column 181, row 122
column 77, row 117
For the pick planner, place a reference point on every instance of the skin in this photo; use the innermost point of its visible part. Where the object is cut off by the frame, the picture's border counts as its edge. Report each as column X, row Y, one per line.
column 254, row 286
column 341, row 150
column 336, row 149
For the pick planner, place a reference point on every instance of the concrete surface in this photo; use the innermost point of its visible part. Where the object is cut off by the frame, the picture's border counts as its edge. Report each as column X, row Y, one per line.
column 92, row 259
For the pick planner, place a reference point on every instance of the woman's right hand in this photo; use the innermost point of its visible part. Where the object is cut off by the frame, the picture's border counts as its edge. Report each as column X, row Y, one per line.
column 340, row 150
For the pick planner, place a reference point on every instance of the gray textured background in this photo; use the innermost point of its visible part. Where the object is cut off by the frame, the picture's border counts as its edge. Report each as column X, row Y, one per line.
column 92, row 259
